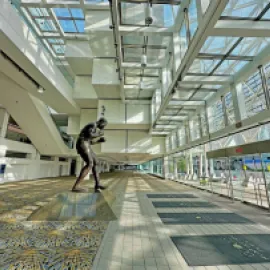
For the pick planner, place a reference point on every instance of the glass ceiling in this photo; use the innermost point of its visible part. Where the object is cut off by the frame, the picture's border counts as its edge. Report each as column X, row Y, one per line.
column 218, row 56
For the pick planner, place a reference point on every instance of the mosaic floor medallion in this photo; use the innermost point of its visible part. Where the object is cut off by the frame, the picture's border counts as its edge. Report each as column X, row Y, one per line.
column 183, row 204
column 229, row 249
column 202, row 218
column 165, row 196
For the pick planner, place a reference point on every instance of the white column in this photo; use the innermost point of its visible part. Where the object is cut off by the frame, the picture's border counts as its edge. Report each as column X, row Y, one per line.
column 201, row 165
column 200, row 125
column 206, row 162
column 176, row 51
column 166, row 167
column 165, row 81
column 190, row 163
column 225, row 116
column 187, row 163
column 187, row 132
column 175, row 169
column 238, row 102
column 4, row 116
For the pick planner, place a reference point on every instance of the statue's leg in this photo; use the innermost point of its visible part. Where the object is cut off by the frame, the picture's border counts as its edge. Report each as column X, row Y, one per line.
column 96, row 176
column 84, row 151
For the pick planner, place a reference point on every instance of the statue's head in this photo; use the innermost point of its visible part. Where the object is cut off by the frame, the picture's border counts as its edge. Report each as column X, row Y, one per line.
column 102, row 123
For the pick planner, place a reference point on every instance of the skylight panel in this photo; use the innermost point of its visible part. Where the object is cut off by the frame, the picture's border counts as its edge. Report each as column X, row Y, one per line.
column 219, row 45
column 59, row 49
column 56, row 41
column 62, row 12
column 77, row 13
column 244, row 8
column 193, row 18
column 38, row 12
column 202, row 66
column 251, row 46
column 168, row 15
column 68, row 26
column 80, row 25
column 230, row 67
column 46, row 25
column 266, row 15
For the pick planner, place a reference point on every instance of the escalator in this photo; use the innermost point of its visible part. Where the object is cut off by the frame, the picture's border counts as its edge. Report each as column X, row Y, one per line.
column 33, row 117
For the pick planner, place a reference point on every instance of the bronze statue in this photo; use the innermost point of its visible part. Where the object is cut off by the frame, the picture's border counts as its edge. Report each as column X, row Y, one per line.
column 87, row 137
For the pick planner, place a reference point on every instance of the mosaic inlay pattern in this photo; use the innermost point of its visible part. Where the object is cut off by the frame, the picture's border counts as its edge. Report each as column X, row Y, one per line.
column 183, row 204
column 165, row 196
column 36, row 245
column 224, row 249
column 202, row 218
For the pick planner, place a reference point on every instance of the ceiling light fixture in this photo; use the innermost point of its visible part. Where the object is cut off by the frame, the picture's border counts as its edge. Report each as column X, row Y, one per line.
column 144, row 60
column 149, row 14
column 41, row 90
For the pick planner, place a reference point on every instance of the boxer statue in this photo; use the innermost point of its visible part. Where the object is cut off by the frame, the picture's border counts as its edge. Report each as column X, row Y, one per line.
column 91, row 134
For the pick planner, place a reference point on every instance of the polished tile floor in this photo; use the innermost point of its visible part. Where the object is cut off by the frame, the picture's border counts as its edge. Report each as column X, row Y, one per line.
column 44, row 226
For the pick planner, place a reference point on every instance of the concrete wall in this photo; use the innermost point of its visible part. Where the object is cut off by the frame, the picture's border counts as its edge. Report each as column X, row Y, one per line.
column 31, row 167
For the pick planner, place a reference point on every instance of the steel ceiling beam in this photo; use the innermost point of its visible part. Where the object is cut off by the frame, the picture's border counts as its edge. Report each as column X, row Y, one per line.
column 189, row 89
column 63, row 4
column 156, row 2
column 243, row 28
column 208, row 22
column 134, row 65
column 213, row 56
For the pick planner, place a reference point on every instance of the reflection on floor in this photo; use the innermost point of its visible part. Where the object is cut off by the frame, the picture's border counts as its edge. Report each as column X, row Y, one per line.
column 77, row 207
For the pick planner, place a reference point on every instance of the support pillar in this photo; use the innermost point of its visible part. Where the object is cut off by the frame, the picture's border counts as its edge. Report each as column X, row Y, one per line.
column 238, row 102
column 206, row 165
column 225, row 116
column 191, row 163
column 4, row 117
column 176, row 51
column 166, row 167
column 265, row 87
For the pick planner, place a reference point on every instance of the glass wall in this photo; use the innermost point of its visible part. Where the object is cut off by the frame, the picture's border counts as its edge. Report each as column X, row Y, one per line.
column 242, row 177
column 154, row 167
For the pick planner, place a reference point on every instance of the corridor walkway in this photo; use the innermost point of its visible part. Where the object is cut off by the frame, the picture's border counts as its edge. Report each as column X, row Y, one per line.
column 152, row 221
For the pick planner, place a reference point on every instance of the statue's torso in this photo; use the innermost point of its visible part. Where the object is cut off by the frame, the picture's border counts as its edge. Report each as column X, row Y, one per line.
column 87, row 131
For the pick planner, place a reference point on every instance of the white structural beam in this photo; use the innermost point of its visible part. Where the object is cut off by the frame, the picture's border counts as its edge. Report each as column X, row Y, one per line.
column 132, row 65
column 210, row 18
column 241, row 28
column 116, row 24
column 215, row 80
column 132, row 30
column 63, row 4
column 136, row 87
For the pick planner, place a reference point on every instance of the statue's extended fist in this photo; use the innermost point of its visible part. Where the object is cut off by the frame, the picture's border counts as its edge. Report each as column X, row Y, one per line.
column 102, row 139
